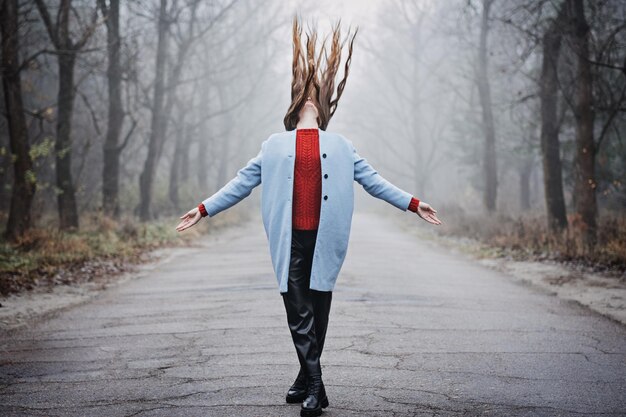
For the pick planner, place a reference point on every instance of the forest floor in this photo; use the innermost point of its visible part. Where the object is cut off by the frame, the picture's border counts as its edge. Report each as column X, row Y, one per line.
column 597, row 285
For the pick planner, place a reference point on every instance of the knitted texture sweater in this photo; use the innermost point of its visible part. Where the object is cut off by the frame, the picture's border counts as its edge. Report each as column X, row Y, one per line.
column 307, row 186
column 307, row 180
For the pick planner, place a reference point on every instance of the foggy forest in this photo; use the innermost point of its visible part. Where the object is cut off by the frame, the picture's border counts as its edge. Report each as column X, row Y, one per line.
column 118, row 117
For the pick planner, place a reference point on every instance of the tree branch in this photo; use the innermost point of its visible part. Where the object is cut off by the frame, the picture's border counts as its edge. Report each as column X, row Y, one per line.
column 602, row 64
column 89, row 31
column 103, row 7
column 121, row 147
column 94, row 118
column 34, row 56
column 50, row 27
column 609, row 120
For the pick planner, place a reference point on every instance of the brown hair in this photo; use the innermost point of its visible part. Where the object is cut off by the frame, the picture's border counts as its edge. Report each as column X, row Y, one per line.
column 306, row 81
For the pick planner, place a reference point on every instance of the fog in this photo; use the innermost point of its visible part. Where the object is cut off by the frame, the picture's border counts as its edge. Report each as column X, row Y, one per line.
column 443, row 98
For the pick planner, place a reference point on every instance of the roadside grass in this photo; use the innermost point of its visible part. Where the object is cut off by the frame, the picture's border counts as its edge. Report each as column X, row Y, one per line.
column 45, row 256
column 526, row 237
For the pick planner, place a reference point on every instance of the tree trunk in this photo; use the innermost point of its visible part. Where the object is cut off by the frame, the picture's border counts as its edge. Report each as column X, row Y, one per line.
column 417, row 140
column 68, row 212
column 222, row 171
column 202, row 167
column 6, row 175
column 110, row 172
column 584, row 171
column 550, row 146
column 184, row 158
column 174, row 174
column 24, row 184
column 224, row 141
column 484, row 91
column 524, row 184
column 146, row 179
column 177, row 160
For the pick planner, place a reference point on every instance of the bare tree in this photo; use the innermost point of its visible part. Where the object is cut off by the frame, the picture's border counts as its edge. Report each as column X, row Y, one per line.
column 484, row 92
column 182, row 139
column 164, row 90
column 526, row 164
column 24, row 184
column 404, row 88
column 157, row 121
column 66, row 49
column 550, row 145
column 585, row 180
column 112, row 148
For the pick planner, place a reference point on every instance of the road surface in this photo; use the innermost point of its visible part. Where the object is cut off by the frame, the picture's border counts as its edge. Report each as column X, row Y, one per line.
column 414, row 331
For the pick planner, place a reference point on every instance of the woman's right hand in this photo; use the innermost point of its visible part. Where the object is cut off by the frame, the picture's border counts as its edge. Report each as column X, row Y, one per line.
column 189, row 219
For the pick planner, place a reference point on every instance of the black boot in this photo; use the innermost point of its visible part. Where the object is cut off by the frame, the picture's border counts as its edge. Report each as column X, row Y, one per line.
column 321, row 309
column 300, row 313
column 316, row 398
column 298, row 391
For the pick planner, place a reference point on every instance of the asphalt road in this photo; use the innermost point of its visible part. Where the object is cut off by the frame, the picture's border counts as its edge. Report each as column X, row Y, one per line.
column 414, row 331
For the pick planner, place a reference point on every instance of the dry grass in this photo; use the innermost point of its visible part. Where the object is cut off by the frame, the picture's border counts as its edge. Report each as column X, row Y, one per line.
column 46, row 256
column 527, row 237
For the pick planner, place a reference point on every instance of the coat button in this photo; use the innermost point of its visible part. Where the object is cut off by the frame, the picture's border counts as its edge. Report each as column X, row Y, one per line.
column 325, row 197
column 324, row 155
column 325, row 175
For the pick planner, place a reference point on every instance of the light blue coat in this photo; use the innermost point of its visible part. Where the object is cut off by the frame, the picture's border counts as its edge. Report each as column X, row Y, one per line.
column 274, row 168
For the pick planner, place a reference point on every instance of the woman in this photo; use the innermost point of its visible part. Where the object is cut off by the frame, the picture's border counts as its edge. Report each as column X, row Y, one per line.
column 308, row 236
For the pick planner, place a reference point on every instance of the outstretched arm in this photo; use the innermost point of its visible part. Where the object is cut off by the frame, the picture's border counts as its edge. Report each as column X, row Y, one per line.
column 230, row 194
column 236, row 189
column 379, row 187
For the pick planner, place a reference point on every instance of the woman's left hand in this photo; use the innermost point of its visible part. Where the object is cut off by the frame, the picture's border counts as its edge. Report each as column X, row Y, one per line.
column 426, row 212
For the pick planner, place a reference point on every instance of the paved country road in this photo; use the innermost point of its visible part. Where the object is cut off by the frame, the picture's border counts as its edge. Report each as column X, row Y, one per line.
column 414, row 331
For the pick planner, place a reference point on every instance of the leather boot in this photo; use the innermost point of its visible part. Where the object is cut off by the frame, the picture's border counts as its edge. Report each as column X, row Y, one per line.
column 321, row 309
column 298, row 391
column 316, row 397
column 298, row 302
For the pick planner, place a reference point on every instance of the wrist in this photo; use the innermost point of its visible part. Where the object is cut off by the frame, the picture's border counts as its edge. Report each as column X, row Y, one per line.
column 414, row 204
column 202, row 210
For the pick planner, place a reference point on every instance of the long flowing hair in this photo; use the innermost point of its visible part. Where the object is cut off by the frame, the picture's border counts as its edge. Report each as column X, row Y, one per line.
column 308, row 79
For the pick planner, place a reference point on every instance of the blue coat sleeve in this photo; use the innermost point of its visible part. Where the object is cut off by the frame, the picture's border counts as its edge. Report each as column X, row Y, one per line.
column 378, row 186
column 236, row 189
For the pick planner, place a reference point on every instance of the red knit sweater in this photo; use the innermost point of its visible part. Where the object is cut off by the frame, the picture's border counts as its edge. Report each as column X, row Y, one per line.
column 307, row 184
column 307, row 180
